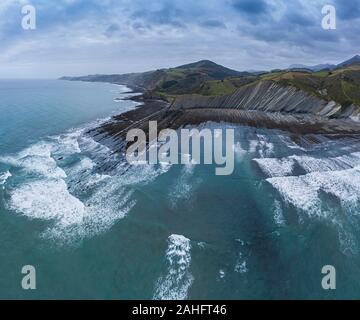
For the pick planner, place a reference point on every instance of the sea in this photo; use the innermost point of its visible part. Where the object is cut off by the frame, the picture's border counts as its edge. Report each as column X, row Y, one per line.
column 165, row 232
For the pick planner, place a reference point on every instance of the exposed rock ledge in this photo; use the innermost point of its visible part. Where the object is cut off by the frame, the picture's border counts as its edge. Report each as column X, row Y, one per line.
column 264, row 104
column 269, row 96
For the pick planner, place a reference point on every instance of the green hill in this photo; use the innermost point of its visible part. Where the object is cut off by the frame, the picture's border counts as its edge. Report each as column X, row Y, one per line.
column 341, row 85
column 207, row 78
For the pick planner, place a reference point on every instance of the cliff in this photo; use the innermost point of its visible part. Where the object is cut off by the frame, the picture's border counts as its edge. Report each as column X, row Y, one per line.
column 268, row 96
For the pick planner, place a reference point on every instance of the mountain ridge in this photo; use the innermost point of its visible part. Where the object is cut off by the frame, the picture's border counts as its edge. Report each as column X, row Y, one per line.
column 319, row 67
column 337, row 89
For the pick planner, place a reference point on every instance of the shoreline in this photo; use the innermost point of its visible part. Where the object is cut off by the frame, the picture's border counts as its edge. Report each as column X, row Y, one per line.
column 297, row 125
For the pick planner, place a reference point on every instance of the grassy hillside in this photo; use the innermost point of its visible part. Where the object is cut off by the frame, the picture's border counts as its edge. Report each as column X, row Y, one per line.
column 341, row 85
column 204, row 77
column 210, row 79
column 174, row 81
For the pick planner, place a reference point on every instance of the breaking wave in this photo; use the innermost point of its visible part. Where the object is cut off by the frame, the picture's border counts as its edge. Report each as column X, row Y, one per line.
column 3, row 177
column 59, row 181
column 176, row 284
column 184, row 186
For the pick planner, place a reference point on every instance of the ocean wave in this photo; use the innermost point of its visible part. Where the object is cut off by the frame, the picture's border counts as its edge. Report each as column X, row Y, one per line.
column 36, row 159
column 266, row 148
column 176, row 284
column 262, row 146
column 241, row 266
column 239, row 151
column 278, row 167
column 184, row 186
column 278, row 213
column 67, row 144
column 241, row 261
column 303, row 191
column 310, row 164
column 298, row 192
column 274, row 167
column 348, row 241
column 4, row 176
column 47, row 200
column 289, row 143
column 77, row 200
column 222, row 274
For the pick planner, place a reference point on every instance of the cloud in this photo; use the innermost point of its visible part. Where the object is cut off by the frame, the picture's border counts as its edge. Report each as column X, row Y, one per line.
column 112, row 30
column 164, row 16
column 213, row 24
column 348, row 9
column 251, row 7
column 109, row 36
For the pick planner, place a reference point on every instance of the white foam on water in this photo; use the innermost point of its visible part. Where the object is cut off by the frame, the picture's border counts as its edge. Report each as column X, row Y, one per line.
column 85, row 164
column 110, row 201
column 266, row 148
column 201, row 245
column 105, row 199
column 298, row 192
column 96, row 178
column 68, row 143
column 343, row 184
column 303, row 191
column 279, row 167
column 3, row 178
column 47, row 197
column 239, row 151
column 222, row 274
column 348, row 243
column 176, row 284
column 36, row 159
column 90, row 145
column 262, row 146
column 289, row 143
column 241, row 265
column 47, row 200
column 310, row 164
column 253, row 144
column 278, row 213
column 109, row 204
column 184, row 186
column 274, row 167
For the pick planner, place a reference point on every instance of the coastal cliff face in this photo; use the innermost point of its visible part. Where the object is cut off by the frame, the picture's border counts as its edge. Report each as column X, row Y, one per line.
column 266, row 103
column 301, row 102
column 268, row 96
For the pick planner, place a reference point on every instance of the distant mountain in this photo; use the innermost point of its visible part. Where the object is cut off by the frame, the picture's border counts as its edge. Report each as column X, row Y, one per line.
column 319, row 67
column 183, row 79
column 352, row 61
column 315, row 68
column 340, row 84
column 211, row 69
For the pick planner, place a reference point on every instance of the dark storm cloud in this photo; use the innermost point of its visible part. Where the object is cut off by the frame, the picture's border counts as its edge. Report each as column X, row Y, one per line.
column 250, row 7
column 164, row 16
column 91, row 36
column 348, row 9
column 213, row 24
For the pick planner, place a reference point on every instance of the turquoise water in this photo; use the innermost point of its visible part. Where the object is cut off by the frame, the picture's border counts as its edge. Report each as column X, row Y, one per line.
column 94, row 229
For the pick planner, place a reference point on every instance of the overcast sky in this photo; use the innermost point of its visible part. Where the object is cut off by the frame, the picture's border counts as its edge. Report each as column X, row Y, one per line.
column 78, row 37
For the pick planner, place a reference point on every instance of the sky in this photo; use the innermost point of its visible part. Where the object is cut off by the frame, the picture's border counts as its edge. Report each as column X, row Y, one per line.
column 80, row 37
